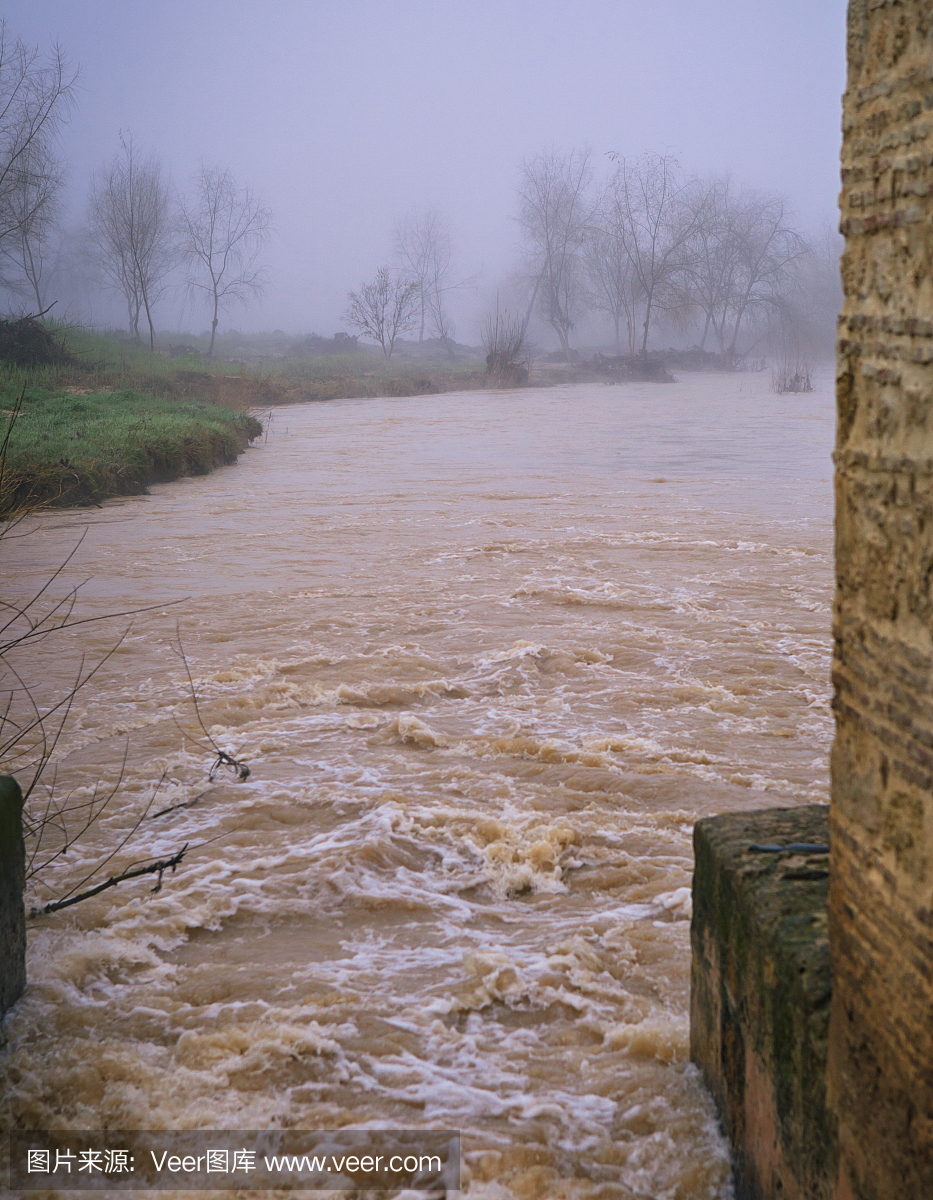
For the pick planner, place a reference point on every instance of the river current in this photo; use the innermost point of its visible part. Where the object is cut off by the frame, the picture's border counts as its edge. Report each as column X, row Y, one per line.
column 488, row 657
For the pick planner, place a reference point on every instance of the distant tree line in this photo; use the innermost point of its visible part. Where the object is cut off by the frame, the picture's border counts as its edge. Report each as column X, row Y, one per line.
column 721, row 261
column 141, row 235
column 646, row 248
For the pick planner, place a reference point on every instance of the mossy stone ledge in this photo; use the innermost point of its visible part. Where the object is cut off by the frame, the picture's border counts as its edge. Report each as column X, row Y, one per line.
column 12, row 883
column 760, row 995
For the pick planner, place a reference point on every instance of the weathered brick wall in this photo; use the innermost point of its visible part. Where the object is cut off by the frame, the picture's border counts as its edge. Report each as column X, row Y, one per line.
column 881, row 934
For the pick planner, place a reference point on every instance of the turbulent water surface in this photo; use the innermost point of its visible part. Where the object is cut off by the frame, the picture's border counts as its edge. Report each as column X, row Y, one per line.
column 488, row 657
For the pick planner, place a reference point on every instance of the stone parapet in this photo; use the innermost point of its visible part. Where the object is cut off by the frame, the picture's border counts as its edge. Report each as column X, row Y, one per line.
column 760, row 996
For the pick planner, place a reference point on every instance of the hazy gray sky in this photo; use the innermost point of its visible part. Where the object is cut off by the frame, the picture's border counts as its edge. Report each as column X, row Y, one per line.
column 344, row 115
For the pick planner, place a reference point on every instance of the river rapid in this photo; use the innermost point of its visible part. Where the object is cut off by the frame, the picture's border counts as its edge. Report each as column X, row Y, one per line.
column 488, row 657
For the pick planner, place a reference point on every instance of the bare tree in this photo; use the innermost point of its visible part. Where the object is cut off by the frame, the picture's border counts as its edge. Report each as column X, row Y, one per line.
column 799, row 320
column 384, row 308
column 817, row 295
column 424, row 249
column 769, row 251
column 650, row 193
column 223, row 229
column 67, row 267
column 615, row 288
column 711, row 263
column 742, row 261
column 36, row 95
column 131, row 224
column 422, row 246
column 555, row 211
column 444, row 328
column 27, row 253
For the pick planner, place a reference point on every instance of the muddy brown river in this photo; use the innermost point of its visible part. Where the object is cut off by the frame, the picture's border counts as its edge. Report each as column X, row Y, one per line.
column 488, row 657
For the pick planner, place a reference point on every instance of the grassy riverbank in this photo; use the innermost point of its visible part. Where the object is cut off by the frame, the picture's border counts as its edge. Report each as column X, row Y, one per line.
column 94, row 362
column 354, row 376
column 301, row 371
column 272, row 370
column 66, row 448
column 107, row 418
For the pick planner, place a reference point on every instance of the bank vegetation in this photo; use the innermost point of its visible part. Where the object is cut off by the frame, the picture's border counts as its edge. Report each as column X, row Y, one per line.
column 86, row 418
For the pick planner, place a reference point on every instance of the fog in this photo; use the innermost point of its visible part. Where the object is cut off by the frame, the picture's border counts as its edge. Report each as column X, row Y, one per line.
column 424, row 695
column 344, row 118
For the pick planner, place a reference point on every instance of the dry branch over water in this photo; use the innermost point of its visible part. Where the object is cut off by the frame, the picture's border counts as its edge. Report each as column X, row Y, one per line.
column 153, row 868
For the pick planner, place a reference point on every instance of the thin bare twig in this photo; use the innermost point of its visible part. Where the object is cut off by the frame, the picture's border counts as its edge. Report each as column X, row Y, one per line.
column 116, row 850
column 30, row 731
column 163, row 865
column 56, row 818
column 163, row 812
column 223, row 759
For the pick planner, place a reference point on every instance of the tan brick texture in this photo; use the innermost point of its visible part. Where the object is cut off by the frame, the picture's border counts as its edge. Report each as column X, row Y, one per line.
column 881, row 934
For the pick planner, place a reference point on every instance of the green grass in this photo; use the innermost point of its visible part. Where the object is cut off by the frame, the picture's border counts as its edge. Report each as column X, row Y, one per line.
column 66, row 449
column 364, row 373
column 366, row 364
column 99, row 362
column 102, row 361
column 114, row 417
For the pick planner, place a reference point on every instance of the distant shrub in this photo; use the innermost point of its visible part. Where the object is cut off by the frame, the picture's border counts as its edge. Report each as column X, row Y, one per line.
column 506, row 349
column 632, row 368
column 27, row 342
column 340, row 343
column 791, row 378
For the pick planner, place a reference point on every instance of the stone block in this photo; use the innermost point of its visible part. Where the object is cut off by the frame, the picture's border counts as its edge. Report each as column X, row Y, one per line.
column 12, row 882
column 760, row 996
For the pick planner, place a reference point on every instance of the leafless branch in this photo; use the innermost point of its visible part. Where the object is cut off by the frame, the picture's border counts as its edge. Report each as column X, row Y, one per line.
column 159, row 867
column 222, row 758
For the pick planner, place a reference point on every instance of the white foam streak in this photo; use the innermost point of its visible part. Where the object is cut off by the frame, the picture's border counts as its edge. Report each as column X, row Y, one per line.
column 483, row 698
